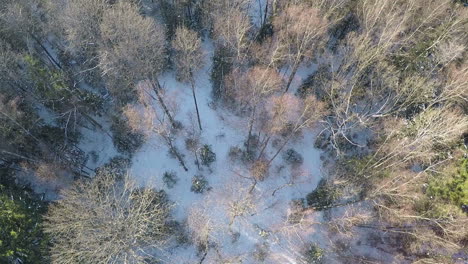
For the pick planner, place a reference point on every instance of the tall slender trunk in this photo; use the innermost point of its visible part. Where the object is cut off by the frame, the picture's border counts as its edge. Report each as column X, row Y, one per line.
column 251, row 122
column 281, row 148
column 189, row 13
column 253, row 186
column 16, row 155
column 265, row 15
column 49, row 56
column 175, row 152
column 293, row 74
column 205, row 252
column 264, row 147
column 161, row 101
column 22, row 127
column 96, row 123
column 195, row 100
column 198, row 161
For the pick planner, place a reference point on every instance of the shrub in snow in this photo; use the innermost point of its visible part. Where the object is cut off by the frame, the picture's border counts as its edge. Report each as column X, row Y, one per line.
column 191, row 143
column 253, row 142
column 207, row 156
column 170, row 179
column 235, row 153
column 235, row 237
column 251, row 147
column 263, row 233
column 261, row 252
column 293, row 157
column 259, row 170
column 248, row 156
column 313, row 254
column 296, row 211
column 323, row 196
column 322, row 141
column 177, row 126
column 94, row 156
column 179, row 232
column 199, row 184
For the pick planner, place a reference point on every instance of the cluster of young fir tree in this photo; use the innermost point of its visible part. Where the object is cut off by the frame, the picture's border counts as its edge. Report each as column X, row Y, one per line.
column 391, row 72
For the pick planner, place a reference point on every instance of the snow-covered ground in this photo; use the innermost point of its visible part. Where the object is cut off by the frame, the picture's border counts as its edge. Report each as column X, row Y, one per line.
column 257, row 12
column 265, row 232
column 97, row 144
column 265, row 225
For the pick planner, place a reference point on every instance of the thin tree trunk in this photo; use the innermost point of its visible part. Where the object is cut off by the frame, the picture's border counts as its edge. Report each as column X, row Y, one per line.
column 49, row 56
column 265, row 16
column 161, row 101
column 195, row 100
column 189, row 13
column 198, row 162
column 18, row 155
column 281, row 148
column 253, row 186
column 204, row 256
column 22, row 128
column 250, row 128
column 264, row 147
column 293, row 74
column 175, row 151
column 326, row 207
column 249, row 136
column 94, row 122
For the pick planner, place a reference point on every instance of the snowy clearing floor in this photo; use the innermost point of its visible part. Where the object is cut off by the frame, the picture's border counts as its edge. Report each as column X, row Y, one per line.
column 247, row 222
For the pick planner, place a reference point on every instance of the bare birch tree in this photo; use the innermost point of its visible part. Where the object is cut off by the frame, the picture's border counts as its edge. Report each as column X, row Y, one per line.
column 365, row 86
column 78, row 22
column 133, row 49
column 189, row 59
column 231, row 28
column 131, row 44
column 299, row 31
column 250, row 90
column 107, row 221
column 20, row 22
column 417, row 140
column 202, row 226
column 288, row 116
column 428, row 225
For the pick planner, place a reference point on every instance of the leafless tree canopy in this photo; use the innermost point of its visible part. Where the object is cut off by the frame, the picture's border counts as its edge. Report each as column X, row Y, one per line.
column 231, row 27
column 107, row 220
column 189, row 55
column 132, row 46
column 80, row 22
